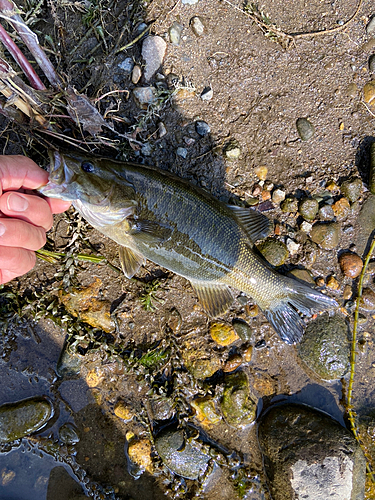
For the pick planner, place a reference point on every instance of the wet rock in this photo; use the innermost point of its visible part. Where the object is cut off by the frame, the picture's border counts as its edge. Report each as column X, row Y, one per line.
column 369, row 93
column 325, row 347
column 252, row 310
column 23, row 418
column 123, row 411
column 232, row 363
column 371, row 63
column 326, row 213
column 83, row 303
column 351, row 264
column 304, row 275
column 127, row 65
column 367, row 301
column 311, row 456
column 205, row 411
column 139, row 452
column 247, row 353
column 153, row 52
column 326, row 235
column 183, row 152
column 242, row 329
column 370, row 28
column 197, row 26
column 161, row 407
column 308, row 208
column 306, row 227
column 68, row 434
column 332, row 283
column 174, row 320
column 290, row 204
column 347, row 293
column 341, row 209
column 175, row 33
column 199, row 363
column 69, row 363
column 202, row 128
column 351, row 189
column 309, row 254
column 305, row 129
column 232, row 150
column 292, row 246
column 207, row 94
column 179, row 455
column 274, row 251
column 223, row 334
column 366, row 224
column 237, row 403
column 278, row 196
column 144, row 96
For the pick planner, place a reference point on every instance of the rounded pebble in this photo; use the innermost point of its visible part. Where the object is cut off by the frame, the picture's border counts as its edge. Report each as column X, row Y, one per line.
column 179, row 455
column 261, row 173
column 206, row 412
column 351, row 264
column 136, row 74
column 278, row 196
column 347, row 293
column 197, row 26
column 139, row 452
column 202, row 128
column 237, row 403
column 367, row 301
column 308, row 208
column 23, row 418
column 223, row 334
column 351, row 189
column 305, row 129
column 274, row 251
column 232, row 363
column 153, row 52
column 341, row 209
column 304, row 275
column 232, row 150
column 332, row 283
column 175, row 33
column 371, row 63
column 326, row 235
column 326, row 212
column 127, row 65
column 325, row 347
column 121, row 410
column 242, row 329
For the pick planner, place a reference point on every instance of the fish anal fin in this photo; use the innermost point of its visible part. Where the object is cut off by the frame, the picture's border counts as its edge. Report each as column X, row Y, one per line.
column 149, row 231
column 255, row 224
column 130, row 261
column 215, row 298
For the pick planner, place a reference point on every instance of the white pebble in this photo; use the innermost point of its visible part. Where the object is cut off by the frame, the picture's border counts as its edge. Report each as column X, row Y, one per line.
column 292, row 246
column 278, row 196
column 153, row 52
column 306, row 227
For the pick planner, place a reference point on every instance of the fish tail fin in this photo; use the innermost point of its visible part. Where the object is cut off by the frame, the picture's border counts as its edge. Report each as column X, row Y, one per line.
column 300, row 299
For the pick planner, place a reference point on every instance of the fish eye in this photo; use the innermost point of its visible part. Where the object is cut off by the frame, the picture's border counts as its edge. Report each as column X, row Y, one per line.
column 87, row 166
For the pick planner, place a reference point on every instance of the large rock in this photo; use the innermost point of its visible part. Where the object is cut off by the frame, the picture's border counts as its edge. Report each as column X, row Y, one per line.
column 310, row 456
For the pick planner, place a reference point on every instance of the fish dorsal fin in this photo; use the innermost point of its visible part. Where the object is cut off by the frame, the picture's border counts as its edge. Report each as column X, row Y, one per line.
column 130, row 261
column 255, row 224
column 215, row 299
column 149, row 231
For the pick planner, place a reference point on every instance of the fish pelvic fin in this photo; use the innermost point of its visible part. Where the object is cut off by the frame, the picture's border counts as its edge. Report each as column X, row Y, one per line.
column 130, row 261
column 214, row 298
column 301, row 300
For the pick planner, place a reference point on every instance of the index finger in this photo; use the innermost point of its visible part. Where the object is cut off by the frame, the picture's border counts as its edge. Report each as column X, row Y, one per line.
column 18, row 172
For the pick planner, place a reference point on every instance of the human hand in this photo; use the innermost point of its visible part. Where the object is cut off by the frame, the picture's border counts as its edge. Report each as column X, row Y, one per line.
column 24, row 217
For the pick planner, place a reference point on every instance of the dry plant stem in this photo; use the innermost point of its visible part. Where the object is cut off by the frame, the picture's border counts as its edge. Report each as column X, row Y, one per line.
column 8, row 11
column 53, row 257
column 21, row 60
column 353, row 354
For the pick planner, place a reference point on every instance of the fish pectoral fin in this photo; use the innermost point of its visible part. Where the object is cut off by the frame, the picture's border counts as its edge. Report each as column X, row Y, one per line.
column 130, row 261
column 215, row 298
column 149, row 231
column 255, row 224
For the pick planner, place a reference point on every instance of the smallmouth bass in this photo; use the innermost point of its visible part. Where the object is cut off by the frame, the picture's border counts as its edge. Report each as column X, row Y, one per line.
column 153, row 214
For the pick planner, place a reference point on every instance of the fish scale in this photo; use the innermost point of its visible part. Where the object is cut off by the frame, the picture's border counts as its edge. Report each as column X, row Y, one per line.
column 153, row 214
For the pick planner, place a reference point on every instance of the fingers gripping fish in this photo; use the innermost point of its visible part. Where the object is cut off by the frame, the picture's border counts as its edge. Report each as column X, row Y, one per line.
column 153, row 214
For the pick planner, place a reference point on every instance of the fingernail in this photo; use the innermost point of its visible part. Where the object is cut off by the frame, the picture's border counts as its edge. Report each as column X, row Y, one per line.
column 2, row 229
column 17, row 203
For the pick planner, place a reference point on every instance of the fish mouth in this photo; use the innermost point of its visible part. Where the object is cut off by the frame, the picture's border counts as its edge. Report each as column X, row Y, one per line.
column 60, row 176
